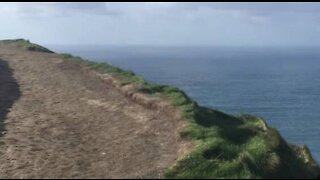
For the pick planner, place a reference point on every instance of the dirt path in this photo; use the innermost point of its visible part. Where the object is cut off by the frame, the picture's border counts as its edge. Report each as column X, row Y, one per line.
column 58, row 120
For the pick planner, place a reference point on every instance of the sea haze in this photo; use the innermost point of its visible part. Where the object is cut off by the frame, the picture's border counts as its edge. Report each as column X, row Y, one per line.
column 280, row 84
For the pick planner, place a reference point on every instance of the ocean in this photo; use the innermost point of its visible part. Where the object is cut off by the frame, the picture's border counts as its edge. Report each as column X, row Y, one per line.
column 280, row 84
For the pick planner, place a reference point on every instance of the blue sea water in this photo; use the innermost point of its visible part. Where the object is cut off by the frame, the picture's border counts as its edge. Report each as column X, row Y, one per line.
column 280, row 84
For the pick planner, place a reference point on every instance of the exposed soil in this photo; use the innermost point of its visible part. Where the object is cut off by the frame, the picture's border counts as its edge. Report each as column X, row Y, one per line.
column 59, row 120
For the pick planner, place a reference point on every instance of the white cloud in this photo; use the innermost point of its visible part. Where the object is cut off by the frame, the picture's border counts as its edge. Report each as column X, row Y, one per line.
column 161, row 23
column 154, row 7
column 54, row 9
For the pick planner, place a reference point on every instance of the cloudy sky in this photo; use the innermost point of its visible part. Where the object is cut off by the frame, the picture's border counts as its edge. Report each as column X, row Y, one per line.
column 163, row 23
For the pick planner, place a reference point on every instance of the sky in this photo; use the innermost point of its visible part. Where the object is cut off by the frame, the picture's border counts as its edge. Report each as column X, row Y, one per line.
column 188, row 24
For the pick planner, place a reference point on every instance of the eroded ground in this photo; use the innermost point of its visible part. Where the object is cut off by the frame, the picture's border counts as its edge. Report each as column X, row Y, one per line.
column 58, row 120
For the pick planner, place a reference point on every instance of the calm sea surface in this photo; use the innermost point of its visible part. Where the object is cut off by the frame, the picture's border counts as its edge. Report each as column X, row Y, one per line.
column 280, row 84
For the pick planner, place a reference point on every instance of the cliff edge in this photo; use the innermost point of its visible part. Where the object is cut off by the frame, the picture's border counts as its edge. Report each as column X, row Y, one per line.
column 65, row 117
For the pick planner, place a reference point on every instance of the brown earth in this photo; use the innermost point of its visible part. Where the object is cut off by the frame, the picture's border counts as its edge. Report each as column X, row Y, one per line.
column 60, row 120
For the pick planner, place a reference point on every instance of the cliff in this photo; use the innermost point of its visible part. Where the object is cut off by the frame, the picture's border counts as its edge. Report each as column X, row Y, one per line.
column 211, row 144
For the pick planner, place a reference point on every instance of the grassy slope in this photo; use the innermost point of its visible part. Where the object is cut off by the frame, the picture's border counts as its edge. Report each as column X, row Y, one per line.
column 25, row 44
column 226, row 146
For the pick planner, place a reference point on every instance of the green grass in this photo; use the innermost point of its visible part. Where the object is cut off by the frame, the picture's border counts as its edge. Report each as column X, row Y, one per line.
column 26, row 45
column 126, row 76
column 226, row 146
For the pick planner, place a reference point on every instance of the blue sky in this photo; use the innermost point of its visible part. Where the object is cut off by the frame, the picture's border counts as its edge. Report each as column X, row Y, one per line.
column 218, row 24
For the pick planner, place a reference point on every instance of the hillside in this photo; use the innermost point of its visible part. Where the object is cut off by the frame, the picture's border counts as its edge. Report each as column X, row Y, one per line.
column 65, row 117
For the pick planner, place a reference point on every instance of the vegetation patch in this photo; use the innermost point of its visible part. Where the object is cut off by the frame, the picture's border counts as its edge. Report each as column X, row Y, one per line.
column 26, row 45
